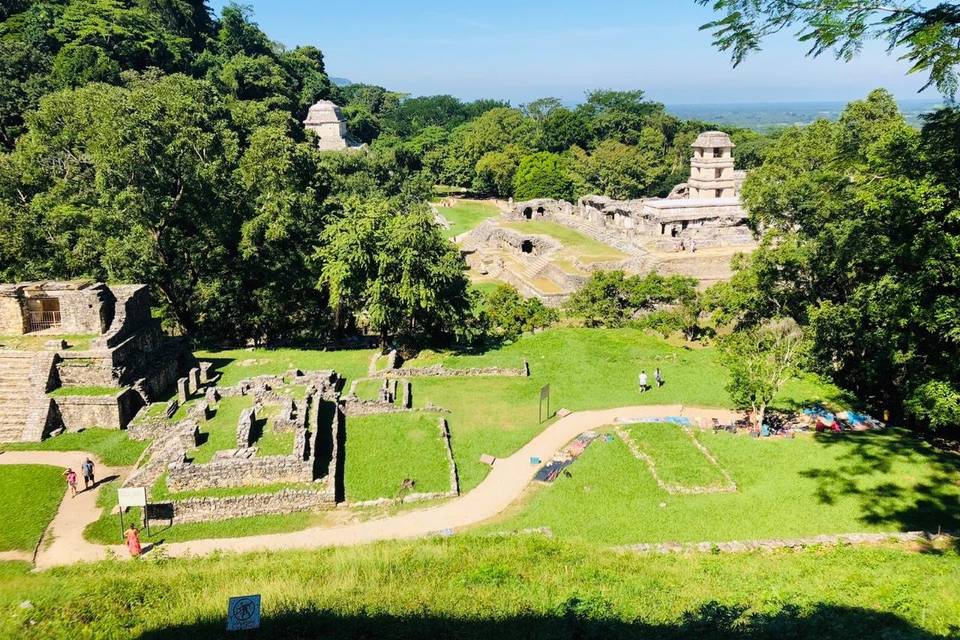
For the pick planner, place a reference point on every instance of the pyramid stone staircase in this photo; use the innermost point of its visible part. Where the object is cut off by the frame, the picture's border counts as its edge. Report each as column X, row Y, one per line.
column 24, row 405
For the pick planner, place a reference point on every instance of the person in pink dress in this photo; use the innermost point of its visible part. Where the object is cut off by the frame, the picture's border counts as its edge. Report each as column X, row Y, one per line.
column 71, row 477
column 133, row 541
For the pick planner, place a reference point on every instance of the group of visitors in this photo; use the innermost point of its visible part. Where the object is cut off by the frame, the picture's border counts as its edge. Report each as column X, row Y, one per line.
column 644, row 383
column 682, row 246
column 89, row 482
column 87, row 470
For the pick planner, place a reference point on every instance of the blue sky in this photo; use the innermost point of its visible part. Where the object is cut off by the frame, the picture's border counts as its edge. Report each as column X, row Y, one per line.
column 522, row 50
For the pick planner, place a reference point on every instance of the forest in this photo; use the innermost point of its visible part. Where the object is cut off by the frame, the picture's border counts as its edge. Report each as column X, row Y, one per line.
column 152, row 141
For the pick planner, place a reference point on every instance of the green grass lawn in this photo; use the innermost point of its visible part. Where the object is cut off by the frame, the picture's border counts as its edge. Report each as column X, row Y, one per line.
column 523, row 587
column 786, row 487
column 369, row 389
column 466, row 215
column 85, row 391
column 385, row 449
column 220, row 431
column 585, row 247
column 113, row 447
column 677, row 460
column 29, row 497
column 586, row 369
column 235, row 365
column 36, row 342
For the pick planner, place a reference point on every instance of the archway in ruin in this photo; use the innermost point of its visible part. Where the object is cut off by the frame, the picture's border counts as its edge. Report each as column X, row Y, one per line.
column 526, row 246
column 528, row 213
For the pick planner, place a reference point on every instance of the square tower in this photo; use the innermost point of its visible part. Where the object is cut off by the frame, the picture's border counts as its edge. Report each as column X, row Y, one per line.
column 712, row 167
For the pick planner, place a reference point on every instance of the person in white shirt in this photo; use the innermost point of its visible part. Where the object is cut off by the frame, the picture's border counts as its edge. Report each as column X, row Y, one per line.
column 643, row 381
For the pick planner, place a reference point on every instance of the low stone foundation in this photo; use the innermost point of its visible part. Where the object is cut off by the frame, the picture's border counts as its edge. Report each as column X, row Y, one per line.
column 440, row 371
column 214, row 509
column 105, row 412
column 238, row 473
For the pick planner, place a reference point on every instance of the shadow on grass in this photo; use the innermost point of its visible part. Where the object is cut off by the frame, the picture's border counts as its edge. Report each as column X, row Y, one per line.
column 932, row 504
column 580, row 618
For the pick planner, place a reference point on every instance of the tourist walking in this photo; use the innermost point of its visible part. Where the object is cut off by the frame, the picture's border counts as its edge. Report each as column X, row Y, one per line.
column 643, row 381
column 133, row 541
column 71, row 476
column 693, row 246
column 658, row 377
column 87, row 470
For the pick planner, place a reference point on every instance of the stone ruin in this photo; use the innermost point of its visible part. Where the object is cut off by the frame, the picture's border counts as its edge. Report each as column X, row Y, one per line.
column 123, row 349
column 314, row 457
column 705, row 210
column 325, row 120
column 656, row 234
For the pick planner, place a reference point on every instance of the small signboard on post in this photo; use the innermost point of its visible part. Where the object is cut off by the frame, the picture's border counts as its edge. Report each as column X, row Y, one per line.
column 132, row 497
column 545, row 395
column 243, row 613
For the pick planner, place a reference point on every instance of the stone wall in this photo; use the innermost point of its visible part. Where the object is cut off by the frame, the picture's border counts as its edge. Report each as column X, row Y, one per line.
column 214, row 509
column 105, row 412
column 238, row 473
column 12, row 320
column 438, row 371
column 86, row 369
column 131, row 313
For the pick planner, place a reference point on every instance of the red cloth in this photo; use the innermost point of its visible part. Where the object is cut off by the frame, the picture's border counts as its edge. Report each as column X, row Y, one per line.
column 133, row 542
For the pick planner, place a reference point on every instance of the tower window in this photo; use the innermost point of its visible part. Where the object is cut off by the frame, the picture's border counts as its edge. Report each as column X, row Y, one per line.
column 717, row 152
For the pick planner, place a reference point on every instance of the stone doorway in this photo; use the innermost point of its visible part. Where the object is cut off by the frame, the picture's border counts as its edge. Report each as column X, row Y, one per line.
column 43, row 314
column 528, row 213
column 526, row 246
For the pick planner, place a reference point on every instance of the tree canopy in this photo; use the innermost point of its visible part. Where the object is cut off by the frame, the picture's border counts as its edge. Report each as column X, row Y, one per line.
column 924, row 35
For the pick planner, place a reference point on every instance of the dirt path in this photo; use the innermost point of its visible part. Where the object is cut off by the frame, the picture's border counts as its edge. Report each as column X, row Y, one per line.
column 505, row 483
column 63, row 542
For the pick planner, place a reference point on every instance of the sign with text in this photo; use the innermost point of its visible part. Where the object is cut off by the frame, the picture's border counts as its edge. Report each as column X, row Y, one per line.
column 243, row 613
column 545, row 395
column 132, row 497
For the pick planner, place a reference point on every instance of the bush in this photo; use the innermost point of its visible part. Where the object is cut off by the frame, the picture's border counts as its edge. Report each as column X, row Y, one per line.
column 510, row 315
column 542, row 175
column 611, row 299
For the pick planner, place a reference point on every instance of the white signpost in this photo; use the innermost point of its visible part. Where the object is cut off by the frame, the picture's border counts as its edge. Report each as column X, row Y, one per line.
column 132, row 497
column 243, row 613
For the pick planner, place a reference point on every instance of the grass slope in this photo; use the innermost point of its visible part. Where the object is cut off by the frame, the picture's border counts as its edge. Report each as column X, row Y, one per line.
column 237, row 364
column 588, row 249
column 383, row 450
column 498, row 588
column 31, row 496
column 467, row 214
column 806, row 486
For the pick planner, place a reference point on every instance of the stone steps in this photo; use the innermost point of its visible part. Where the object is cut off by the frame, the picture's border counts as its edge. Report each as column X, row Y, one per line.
column 23, row 400
column 534, row 266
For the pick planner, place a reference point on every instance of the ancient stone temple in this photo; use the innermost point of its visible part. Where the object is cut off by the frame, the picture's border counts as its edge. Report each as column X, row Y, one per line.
column 326, row 121
column 83, row 336
column 711, row 168
column 705, row 210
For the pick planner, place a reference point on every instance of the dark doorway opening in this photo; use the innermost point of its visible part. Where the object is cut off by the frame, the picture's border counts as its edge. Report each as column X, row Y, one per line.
column 540, row 211
column 528, row 213
column 44, row 313
column 526, row 246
